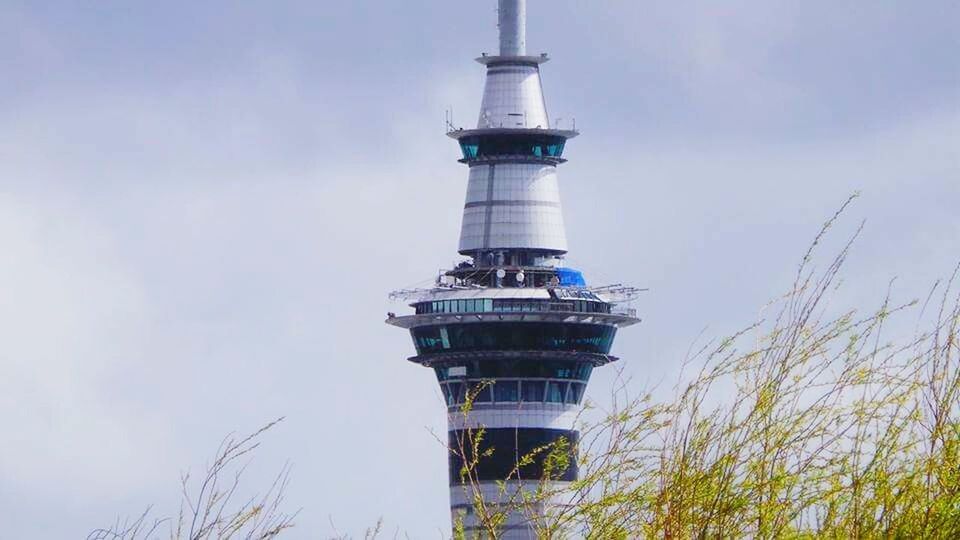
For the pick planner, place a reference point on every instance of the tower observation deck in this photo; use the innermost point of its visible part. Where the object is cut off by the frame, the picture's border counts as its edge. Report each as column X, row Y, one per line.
column 512, row 325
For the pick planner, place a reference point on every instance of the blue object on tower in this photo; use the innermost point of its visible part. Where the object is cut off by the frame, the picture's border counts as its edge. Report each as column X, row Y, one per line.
column 570, row 278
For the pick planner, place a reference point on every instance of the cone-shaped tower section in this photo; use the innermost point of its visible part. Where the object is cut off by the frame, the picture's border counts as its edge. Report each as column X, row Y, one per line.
column 512, row 213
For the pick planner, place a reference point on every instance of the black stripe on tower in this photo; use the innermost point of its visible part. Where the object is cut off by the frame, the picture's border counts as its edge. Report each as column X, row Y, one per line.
column 510, row 445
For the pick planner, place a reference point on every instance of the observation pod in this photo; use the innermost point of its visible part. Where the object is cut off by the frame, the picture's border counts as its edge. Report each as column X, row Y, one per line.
column 511, row 327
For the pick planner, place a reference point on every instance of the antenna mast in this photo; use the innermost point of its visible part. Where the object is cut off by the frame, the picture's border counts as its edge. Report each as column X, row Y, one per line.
column 513, row 27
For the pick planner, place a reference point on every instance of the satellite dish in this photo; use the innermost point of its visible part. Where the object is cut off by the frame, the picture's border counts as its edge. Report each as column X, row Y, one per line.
column 520, row 277
column 501, row 273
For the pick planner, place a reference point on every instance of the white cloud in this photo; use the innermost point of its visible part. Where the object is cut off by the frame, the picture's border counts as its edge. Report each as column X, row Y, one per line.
column 70, row 313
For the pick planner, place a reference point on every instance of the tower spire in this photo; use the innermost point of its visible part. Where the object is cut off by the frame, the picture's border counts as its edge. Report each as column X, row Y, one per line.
column 512, row 15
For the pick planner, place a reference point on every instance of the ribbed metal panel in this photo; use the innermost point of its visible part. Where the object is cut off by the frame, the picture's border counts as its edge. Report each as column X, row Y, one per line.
column 513, row 98
column 513, row 206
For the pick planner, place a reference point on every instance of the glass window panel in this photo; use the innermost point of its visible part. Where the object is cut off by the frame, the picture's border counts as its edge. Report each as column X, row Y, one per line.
column 519, row 368
column 533, row 391
column 511, row 144
column 517, row 336
column 505, row 391
column 456, row 393
column 583, row 372
column 470, row 150
column 444, row 337
column 576, row 393
column 556, row 391
column 483, row 393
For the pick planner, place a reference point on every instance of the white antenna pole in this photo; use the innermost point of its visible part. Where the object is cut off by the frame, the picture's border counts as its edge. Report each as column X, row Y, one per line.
column 513, row 27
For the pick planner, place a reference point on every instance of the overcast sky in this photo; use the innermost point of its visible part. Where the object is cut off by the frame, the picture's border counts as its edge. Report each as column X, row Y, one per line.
column 203, row 206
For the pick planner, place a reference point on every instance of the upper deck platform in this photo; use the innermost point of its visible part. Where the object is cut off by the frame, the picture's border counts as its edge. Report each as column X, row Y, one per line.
column 534, row 131
column 517, row 60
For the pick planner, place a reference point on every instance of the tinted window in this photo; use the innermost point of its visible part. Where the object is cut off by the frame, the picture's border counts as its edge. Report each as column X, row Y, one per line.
column 512, row 145
column 556, row 392
column 533, row 391
column 521, row 368
column 500, row 450
column 514, row 336
column 456, row 393
column 504, row 391
column 509, row 305
column 483, row 393
column 576, row 393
